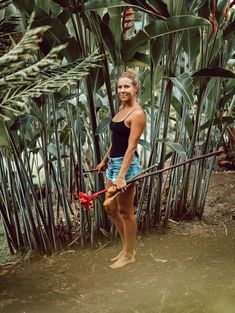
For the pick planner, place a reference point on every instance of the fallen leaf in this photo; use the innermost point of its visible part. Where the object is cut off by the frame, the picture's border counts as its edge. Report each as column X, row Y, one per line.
column 160, row 260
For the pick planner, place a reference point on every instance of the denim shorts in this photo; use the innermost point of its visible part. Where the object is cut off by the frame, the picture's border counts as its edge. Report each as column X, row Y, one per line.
column 114, row 165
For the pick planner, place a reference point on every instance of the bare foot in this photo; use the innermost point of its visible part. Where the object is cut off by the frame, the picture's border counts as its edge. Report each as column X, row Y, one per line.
column 122, row 261
column 119, row 255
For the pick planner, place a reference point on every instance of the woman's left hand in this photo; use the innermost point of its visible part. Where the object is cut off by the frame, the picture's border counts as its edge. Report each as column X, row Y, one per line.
column 120, row 183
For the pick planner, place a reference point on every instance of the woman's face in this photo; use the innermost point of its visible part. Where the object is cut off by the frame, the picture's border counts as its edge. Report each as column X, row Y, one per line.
column 126, row 90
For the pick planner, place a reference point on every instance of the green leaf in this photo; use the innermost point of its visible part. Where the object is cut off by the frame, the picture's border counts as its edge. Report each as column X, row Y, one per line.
column 131, row 46
column 188, row 122
column 224, row 100
column 230, row 85
column 139, row 59
column 14, row 59
column 220, row 10
column 64, row 16
column 109, row 40
column 103, row 125
column 3, row 137
column 145, row 144
column 81, row 130
column 115, row 21
column 214, row 72
column 97, row 75
column 145, row 86
column 68, row 76
column 196, row 5
column 52, row 149
column 64, row 134
column 177, row 147
column 177, row 7
column 103, row 4
column 45, row 5
column 185, row 87
column 228, row 120
column 156, row 51
column 161, row 6
column 229, row 30
column 190, row 41
column 58, row 32
column 174, row 24
column 216, row 46
column 63, row 3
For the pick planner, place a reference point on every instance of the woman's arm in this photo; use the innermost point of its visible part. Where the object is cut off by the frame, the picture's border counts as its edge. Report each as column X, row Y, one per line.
column 104, row 160
column 138, row 122
column 107, row 154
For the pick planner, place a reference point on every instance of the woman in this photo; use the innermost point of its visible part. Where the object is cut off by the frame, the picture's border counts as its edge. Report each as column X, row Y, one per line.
column 127, row 126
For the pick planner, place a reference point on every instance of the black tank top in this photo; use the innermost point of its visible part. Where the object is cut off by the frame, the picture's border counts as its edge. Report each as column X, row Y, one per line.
column 120, row 136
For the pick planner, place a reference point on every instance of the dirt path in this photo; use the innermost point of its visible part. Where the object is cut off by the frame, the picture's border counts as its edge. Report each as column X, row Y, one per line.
column 189, row 269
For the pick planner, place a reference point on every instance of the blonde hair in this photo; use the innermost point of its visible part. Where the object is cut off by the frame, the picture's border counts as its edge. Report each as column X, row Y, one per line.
column 133, row 76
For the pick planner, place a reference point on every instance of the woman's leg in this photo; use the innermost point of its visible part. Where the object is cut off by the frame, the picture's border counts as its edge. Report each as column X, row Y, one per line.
column 126, row 209
column 113, row 211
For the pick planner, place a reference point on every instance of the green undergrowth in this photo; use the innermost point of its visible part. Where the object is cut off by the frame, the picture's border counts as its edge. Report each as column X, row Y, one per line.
column 5, row 256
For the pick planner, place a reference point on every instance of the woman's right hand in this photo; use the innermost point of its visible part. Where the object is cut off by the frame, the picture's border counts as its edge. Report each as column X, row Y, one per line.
column 120, row 183
column 100, row 166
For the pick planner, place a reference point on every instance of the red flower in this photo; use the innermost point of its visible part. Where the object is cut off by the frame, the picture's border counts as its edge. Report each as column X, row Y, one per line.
column 128, row 20
column 86, row 200
column 213, row 19
column 130, row 13
column 127, row 27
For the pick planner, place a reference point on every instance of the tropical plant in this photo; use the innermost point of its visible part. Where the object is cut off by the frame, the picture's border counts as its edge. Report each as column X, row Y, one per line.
column 56, row 124
column 33, row 97
column 188, row 58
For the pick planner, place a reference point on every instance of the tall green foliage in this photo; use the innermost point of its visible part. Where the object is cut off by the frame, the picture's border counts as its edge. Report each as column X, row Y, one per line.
column 187, row 61
column 36, row 116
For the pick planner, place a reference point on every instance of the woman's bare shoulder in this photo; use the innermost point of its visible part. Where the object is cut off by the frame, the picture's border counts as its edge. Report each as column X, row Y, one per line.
column 139, row 112
column 138, row 118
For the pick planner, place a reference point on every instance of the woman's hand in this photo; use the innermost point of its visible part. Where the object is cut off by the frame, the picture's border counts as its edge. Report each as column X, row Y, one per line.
column 100, row 166
column 120, row 183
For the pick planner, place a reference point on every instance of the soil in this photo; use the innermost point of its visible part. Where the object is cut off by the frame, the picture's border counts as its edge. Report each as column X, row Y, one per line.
column 188, row 269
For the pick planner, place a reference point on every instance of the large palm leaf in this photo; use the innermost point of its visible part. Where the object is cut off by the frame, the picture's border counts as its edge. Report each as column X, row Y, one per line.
column 21, row 78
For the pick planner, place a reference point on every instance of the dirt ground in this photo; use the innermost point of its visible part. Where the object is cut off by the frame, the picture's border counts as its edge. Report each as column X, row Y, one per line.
column 188, row 269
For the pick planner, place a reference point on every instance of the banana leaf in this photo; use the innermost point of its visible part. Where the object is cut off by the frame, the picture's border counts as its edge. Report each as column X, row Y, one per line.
column 174, row 24
column 214, row 72
column 177, row 147
column 58, row 32
column 185, row 87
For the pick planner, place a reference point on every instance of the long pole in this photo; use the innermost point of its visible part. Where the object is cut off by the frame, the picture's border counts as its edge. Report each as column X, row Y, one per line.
column 203, row 156
column 141, row 176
